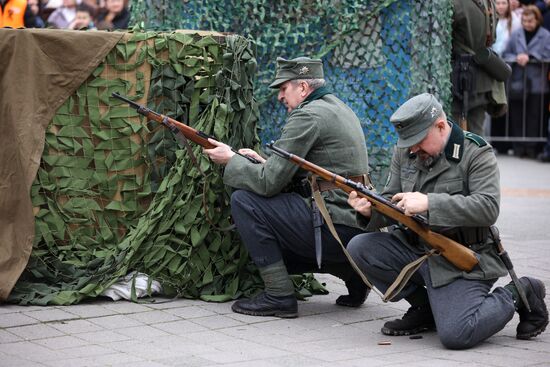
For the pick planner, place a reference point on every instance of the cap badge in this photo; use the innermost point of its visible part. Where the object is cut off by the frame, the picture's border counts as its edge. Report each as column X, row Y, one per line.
column 304, row 70
column 433, row 111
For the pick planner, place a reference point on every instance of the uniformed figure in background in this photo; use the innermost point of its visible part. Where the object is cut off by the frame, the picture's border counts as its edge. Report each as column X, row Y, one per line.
column 271, row 205
column 451, row 177
column 478, row 72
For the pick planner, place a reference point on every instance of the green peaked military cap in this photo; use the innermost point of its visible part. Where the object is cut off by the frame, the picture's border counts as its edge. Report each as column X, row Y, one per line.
column 413, row 119
column 298, row 68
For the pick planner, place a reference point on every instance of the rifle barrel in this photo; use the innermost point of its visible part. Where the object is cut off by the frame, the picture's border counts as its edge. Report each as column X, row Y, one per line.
column 196, row 136
column 457, row 254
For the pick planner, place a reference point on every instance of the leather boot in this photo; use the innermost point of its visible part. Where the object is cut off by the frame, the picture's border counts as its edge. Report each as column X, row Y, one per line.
column 531, row 323
column 267, row 305
column 415, row 320
column 357, row 293
column 357, row 289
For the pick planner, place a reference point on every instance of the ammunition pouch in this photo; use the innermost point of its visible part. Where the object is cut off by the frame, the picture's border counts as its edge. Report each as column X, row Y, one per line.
column 471, row 237
column 299, row 186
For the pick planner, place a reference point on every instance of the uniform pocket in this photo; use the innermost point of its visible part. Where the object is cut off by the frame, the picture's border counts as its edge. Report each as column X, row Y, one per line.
column 451, row 187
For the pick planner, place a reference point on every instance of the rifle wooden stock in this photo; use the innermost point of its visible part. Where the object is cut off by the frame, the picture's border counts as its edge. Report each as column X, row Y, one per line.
column 196, row 136
column 457, row 254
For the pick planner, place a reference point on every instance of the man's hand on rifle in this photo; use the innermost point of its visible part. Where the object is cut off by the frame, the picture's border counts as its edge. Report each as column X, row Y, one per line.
column 361, row 205
column 411, row 202
column 221, row 154
column 253, row 154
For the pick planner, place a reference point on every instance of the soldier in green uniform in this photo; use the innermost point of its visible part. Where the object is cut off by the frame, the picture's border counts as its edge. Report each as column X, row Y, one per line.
column 452, row 178
column 478, row 73
column 271, row 204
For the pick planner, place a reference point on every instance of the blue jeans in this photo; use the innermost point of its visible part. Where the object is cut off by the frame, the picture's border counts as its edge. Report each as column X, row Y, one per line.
column 465, row 311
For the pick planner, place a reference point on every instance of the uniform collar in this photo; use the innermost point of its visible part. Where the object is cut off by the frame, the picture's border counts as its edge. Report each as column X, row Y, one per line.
column 455, row 145
column 316, row 94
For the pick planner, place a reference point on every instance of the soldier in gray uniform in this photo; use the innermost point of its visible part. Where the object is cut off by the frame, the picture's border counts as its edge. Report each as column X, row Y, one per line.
column 478, row 73
column 271, row 204
column 452, row 178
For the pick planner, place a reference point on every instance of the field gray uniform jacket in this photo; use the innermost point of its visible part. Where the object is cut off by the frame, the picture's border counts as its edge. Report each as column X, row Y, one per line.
column 322, row 130
column 463, row 188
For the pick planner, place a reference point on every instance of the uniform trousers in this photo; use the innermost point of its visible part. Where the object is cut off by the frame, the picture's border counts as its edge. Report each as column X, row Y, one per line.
column 281, row 228
column 465, row 311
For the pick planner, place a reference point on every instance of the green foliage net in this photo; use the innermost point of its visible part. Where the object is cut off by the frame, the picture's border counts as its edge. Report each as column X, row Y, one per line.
column 116, row 193
column 376, row 54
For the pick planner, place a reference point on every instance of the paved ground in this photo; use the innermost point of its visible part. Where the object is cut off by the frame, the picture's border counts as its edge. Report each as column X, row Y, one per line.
column 194, row 333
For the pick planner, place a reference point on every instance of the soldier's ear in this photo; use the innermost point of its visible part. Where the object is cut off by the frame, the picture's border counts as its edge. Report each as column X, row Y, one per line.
column 305, row 87
column 440, row 123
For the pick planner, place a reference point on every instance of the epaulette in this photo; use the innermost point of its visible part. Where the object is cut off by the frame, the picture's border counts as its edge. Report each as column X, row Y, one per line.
column 475, row 138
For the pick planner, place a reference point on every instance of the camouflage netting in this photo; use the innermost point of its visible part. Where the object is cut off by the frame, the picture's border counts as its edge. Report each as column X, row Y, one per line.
column 115, row 193
column 376, row 53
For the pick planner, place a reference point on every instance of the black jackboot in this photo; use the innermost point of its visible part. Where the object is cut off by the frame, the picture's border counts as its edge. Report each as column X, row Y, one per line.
column 267, row 305
column 357, row 292
column 531, row 323
column 357, row 289
column 278, row 298
column 418, row 317
column 415, row 320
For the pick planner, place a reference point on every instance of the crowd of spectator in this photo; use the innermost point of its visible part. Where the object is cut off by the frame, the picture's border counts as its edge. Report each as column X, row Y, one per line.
column 523, row 40
column 65, row 14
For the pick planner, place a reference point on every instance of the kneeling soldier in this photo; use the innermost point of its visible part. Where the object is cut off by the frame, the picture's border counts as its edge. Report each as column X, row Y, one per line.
column 452, row 178
column 272, row 205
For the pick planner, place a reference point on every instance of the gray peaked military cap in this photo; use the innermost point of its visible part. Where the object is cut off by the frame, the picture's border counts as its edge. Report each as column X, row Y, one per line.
column 298, row 68
column 414, row 118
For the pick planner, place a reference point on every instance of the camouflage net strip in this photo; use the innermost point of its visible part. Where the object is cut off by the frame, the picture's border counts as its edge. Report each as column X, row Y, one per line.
column 376, row 53
column 114, row 194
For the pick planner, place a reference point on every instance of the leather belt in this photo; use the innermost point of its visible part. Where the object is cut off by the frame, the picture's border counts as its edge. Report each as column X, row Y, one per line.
column 327, row 185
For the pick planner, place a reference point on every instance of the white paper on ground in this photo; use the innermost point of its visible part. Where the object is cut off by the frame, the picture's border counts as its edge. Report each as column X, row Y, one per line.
column 123, row 287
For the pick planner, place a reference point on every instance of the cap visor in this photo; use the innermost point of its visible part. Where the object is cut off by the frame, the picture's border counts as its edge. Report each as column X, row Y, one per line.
column 413, row 140
column 278, row 82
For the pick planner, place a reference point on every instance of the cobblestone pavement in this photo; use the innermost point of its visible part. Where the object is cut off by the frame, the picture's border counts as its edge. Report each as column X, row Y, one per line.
column 195, row 333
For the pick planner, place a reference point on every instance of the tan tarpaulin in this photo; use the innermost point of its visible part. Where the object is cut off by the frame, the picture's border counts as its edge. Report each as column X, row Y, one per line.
column 39, row 70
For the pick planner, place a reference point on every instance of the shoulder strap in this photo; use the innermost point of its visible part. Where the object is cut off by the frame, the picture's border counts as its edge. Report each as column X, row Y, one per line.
column 405, row 274
column 475, row 138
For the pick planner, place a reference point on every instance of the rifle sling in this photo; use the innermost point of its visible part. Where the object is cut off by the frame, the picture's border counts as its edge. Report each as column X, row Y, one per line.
column 183, row 140
column 405, row 274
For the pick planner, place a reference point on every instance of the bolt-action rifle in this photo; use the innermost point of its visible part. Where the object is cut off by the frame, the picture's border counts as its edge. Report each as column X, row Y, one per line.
column 196, row 136
column 460, row 256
